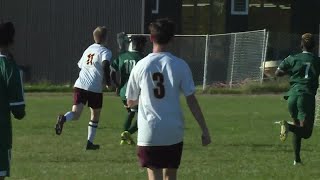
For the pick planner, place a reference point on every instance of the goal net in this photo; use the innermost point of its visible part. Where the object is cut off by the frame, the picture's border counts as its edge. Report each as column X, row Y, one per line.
column 227, row 59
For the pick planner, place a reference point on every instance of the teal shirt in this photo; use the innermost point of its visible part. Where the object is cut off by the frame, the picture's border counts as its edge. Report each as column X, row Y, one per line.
column 124, row 64
column 303, row 69
column 11, row 96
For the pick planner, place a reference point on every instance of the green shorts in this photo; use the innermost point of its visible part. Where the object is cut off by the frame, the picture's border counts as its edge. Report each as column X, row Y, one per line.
column 302, row 107
column 5, row 157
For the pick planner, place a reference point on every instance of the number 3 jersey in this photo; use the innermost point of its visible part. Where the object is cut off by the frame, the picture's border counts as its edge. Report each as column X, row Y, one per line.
column 303, row 69
column 157, row 81
column 91, row 74
column 124, row 64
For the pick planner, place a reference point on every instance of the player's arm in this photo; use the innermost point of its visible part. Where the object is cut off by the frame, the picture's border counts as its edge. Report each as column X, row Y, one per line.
column 188, row 88
column 106, row 57
column 114, row 67
column 106, row 70
column 280, row 72
column 198, row 115
column 15, row 90
column 133, row 89
column 284, row 67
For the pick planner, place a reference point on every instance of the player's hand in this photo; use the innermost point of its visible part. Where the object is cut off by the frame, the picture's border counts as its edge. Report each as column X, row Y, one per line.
column 205, row 138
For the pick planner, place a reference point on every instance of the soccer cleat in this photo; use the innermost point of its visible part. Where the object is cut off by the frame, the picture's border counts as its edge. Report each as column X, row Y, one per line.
column 126, row 137
column 91, row 146
column 122, row 142
column 283, row 130
column 59, row 125
column 297, row 163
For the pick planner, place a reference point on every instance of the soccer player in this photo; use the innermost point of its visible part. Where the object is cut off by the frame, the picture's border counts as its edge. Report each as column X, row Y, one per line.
column 303, row 70
column 155, row 84
column 11, row 96
column 124, row 64
column 94, row 65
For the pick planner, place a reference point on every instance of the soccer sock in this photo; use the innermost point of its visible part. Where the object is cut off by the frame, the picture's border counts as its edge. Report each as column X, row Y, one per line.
column 296, row 140
column 69, row 116
column 127, row 122
column 133, row 128
column 92, row 128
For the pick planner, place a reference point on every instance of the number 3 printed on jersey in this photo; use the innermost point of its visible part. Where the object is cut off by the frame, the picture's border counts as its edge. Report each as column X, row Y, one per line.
column 159, row 92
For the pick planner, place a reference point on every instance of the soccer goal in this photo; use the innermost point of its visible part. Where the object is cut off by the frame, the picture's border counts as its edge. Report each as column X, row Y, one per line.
column 227, row 59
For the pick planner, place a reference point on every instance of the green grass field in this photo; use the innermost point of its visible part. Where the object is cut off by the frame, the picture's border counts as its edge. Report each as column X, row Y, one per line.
column 245, row 142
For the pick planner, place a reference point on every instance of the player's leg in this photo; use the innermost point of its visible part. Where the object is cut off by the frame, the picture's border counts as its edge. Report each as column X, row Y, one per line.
column 134, row 124
column 296, row 138
column 154, row 174
column 95, row 104
column 5, row 158
column 304, row 126
column 126, row 135
column 169, row 174
column 293, row 111
column 79, row 100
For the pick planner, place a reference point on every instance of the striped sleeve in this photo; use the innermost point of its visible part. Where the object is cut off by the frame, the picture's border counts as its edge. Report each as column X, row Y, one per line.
column 14, row 85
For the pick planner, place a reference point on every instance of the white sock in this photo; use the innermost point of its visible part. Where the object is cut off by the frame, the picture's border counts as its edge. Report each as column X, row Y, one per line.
column 92, row 129
column 69, row 116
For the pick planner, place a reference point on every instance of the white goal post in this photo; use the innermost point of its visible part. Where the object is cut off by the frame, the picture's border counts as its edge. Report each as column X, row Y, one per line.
column 227, row 59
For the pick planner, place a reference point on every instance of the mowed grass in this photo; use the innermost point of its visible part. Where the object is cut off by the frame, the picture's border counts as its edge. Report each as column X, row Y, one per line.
column 245, row 142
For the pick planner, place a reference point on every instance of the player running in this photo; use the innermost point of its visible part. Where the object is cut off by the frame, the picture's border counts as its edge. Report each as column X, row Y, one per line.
column 11, row 96
column 303, row 70
column 94, row 65
column 155, row 84
column 124, row 64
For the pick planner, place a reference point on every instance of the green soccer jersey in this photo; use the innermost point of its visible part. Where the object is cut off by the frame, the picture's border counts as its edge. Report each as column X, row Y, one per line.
column 303, row 69
column 11, row 98
column 124, row 64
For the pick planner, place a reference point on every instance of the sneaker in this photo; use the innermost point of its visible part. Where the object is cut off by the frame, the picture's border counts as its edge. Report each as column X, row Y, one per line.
column 297, row 163
column 91, row 146
column 283, row 130
column 59, row 125
column 125, row 136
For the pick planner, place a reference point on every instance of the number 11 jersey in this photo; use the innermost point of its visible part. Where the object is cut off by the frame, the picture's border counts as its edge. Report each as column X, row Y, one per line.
column 91, row 74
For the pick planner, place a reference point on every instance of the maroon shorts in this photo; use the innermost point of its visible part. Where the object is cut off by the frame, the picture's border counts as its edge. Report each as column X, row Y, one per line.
column 82, row 96
column 160, row 156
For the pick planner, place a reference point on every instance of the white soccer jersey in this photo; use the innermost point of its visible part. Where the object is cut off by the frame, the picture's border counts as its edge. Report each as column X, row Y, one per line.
column 91, row 73
column 156, row 81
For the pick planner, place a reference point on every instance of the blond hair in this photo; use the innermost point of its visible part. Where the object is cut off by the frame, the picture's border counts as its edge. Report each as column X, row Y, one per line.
column 307, row 41
column 100, row 34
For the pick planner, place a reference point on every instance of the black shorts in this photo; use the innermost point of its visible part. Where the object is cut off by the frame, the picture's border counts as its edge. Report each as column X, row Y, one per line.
column 81, row 96
column 160, row 156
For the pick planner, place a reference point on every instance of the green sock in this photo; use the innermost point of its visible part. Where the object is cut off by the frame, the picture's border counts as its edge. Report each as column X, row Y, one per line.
column 127, row 122
column 133, row 128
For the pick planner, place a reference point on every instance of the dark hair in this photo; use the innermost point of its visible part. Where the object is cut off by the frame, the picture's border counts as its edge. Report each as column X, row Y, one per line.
column 7, row 33
column 162, row 30
column 138, row 42
column 307, row 41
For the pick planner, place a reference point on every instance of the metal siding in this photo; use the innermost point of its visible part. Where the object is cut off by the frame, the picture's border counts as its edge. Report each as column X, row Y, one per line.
column 52, row 34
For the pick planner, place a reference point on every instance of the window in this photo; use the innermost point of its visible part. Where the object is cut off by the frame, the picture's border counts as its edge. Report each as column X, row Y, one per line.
column 239, row 7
